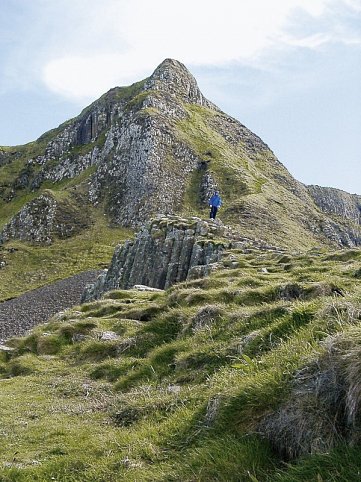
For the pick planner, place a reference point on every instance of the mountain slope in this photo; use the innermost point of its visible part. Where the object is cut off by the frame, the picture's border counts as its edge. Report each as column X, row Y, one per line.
column 249, row 374
column 159, row 146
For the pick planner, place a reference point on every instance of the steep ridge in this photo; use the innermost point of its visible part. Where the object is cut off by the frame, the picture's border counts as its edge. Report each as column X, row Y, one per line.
column 159, row 147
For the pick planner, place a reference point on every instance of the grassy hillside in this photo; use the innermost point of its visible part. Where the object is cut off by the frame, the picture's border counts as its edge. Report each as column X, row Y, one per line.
column 261, row 198
column 29, row 267
column 174, row 385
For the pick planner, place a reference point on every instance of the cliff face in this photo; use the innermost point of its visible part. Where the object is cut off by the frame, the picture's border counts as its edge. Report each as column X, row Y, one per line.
column 141, row 168
column 160, row 147
column 165, row 251
column 337, row 202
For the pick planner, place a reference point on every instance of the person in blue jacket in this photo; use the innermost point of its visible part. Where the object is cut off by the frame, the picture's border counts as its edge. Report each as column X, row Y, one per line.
column 215, row 203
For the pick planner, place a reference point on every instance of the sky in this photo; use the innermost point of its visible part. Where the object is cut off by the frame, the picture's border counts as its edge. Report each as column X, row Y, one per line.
column 290, row 70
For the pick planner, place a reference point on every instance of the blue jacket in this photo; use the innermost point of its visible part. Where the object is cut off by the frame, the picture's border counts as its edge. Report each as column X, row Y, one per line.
column 215, row 201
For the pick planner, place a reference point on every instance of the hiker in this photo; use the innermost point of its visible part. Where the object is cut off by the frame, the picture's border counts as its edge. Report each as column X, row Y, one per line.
column 215, row 203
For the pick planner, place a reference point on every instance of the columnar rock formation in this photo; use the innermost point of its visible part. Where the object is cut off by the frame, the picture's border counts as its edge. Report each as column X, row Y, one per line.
column 165, row 251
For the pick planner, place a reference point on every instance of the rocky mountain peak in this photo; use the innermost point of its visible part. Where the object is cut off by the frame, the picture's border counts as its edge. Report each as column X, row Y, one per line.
column 172, row 77
column 158, row 147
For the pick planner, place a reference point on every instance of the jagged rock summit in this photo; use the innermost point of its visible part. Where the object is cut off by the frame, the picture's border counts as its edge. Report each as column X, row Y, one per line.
column 175, row 79
column 159, row 146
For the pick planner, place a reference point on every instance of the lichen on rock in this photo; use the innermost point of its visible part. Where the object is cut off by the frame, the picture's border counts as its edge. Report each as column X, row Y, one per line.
column 164, row 252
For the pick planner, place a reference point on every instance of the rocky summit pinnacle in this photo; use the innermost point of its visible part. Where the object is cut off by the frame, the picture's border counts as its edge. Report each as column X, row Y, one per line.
column 174, row 78
column 160, row 147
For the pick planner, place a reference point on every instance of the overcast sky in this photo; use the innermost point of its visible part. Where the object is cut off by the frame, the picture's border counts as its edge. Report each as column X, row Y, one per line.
column 290, row 70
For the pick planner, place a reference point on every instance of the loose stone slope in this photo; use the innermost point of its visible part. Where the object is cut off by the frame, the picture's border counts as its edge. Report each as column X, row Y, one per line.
column 19, row 315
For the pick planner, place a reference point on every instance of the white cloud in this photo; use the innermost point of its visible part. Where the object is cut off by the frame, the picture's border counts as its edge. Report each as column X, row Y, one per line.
column 119, row 41
column 310, row 41
column 354, row 4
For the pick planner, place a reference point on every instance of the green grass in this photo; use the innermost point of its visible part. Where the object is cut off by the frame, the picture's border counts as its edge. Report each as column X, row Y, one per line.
column 180, row 390
column 340, row 465
column 29, row 267
column 259, row 195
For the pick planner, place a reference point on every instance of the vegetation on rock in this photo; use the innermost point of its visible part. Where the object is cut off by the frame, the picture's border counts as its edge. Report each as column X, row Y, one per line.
column 160, row 147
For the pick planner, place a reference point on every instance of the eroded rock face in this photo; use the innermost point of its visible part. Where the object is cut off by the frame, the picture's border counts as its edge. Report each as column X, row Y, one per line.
column 141, row 168
column 147, row 173
column 343, row 210
column 43, row 219
column 165, row 251
column 335, row 201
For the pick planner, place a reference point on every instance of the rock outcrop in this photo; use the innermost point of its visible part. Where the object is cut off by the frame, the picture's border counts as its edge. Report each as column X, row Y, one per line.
column 338, row 202
column 43, row 219
column 165, row 251
column 129, row 135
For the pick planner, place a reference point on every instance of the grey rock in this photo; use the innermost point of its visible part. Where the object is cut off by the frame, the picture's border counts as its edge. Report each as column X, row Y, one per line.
column 145, row 288
column 93, row 291
column 43, row 219
column 108, row 336
column 338, row 202
column 164, row 252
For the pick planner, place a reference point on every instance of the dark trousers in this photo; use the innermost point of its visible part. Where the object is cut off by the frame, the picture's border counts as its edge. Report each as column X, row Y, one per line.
column 213, row 212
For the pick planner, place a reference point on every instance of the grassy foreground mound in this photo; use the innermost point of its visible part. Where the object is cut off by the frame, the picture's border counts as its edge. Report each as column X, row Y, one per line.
column 190, row 384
